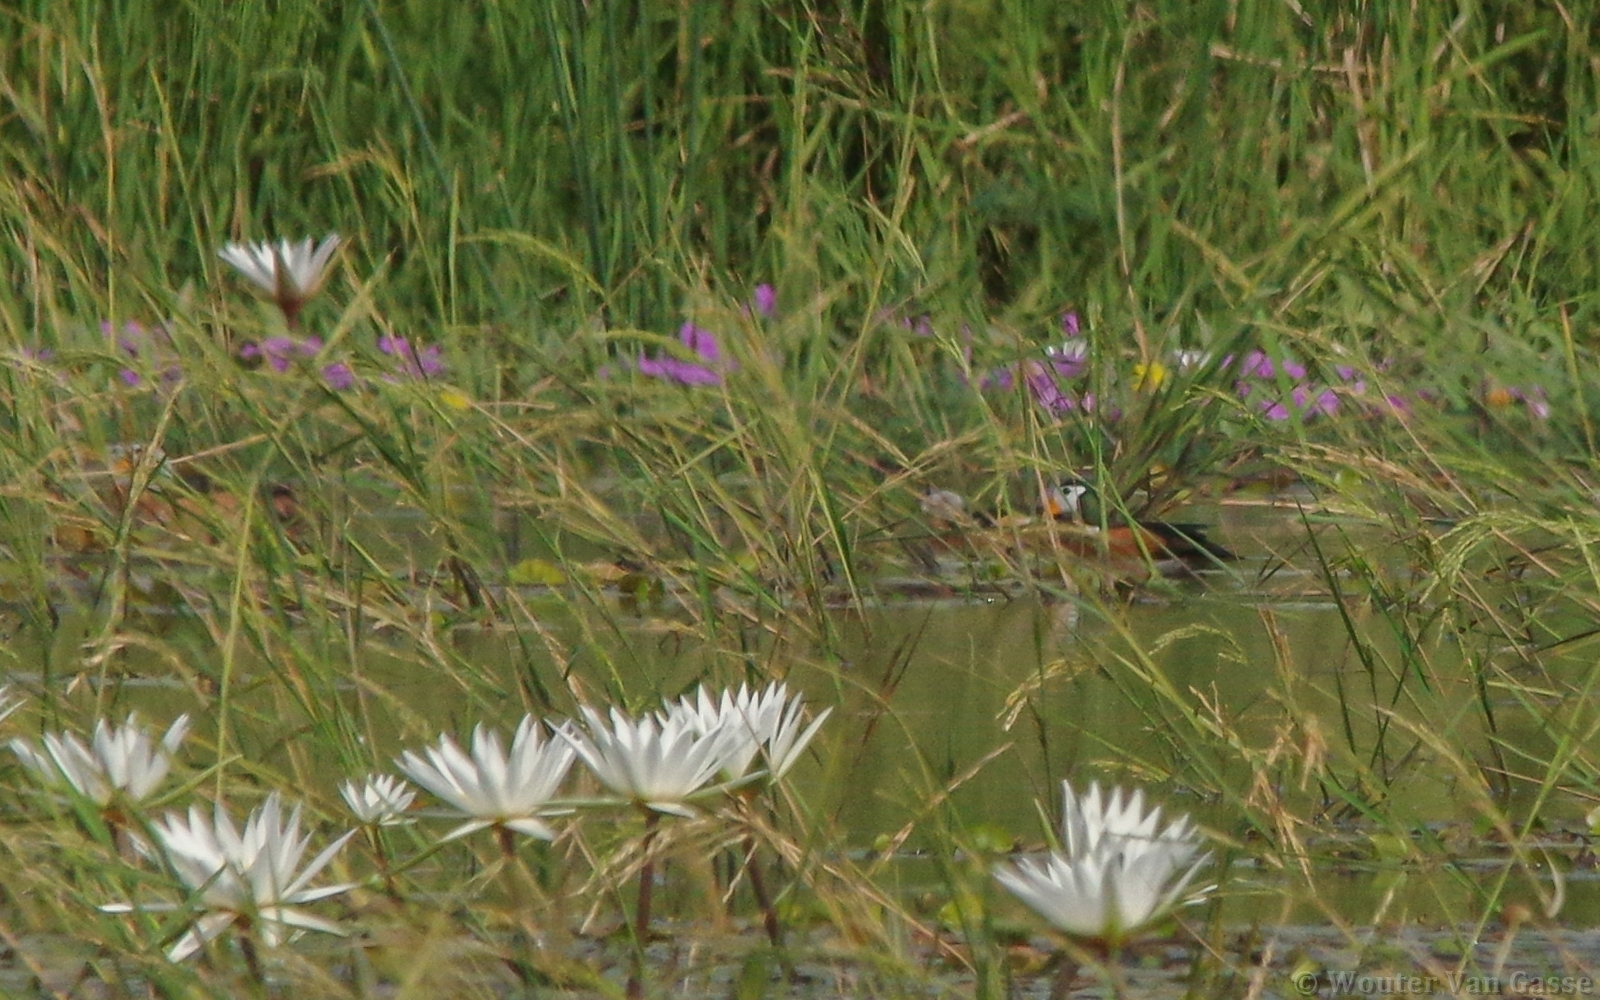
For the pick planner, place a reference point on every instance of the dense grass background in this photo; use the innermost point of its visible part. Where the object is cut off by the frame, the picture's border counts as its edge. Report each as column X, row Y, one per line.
column 524, row 165
column 1395, row 196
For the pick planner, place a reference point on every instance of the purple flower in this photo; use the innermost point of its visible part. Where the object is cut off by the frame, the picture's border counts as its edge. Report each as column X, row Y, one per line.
column 129, row 340
column 423, row 363
column 1045, row 390
column 339, row 376
column 1002, row 379
column 766, row 300
column 280, row 352
column 1070, row 326
column 136, row 341
column 1257, row 365
column 703, row 343
column 1303, row 400
column 922, row 326
column 1308, row 401
column 682, row 372
column 1043, row 379
column 1069, row 359
column 1534, row 399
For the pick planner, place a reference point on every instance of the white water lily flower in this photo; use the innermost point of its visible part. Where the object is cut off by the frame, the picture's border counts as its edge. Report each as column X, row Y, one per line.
column 290, row 272
column 117, row 760
column 493, row 789
column 657, row 762
column 380, row 800
column 247, row 879
column 1118, row 872
column 1088, row 820
column 766, row 722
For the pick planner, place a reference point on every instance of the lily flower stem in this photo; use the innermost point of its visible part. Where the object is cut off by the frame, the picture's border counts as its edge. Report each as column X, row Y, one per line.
column 121, row 840
column 521, row 961
column 519, row 896
column 758, row 885
column 1110, row 956
column 287, row 297
column 641, row 925
column 390, row 888
column 252, row 961
column 1066, row 972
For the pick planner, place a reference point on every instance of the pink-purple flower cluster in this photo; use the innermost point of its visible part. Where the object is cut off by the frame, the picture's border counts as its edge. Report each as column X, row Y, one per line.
column 700, row 342
column 710, row 365
column 151, row 344
column 766, row 300
column 1257, row 384
column 1277, row 389
column 412, row 361
column 279, row 353
column 409, row 361
column 1049, row 381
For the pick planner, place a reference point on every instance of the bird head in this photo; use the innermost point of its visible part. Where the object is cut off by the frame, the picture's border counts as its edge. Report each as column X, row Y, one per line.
column 1063, row 501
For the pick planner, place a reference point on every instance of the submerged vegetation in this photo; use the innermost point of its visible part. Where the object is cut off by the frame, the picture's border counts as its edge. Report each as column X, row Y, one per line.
column 385, row 369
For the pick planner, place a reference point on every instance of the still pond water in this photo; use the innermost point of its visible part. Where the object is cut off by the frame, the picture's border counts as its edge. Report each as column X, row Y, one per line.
column 1005, row 696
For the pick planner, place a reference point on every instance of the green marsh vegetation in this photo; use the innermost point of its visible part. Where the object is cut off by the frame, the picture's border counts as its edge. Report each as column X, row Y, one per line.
column 542, row 441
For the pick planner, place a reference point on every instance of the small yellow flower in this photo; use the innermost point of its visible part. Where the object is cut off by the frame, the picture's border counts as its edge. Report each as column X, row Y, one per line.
column 455, row 399
column 1149, row 377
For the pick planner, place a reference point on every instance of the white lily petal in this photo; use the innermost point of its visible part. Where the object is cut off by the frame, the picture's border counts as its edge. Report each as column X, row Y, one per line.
column 138, row 907
column 652, row 761
column 673, row 808
column 495, row 786
column 379, row 800
column 291, row 272
column 532, row 828
column 242, row 875
column 118, row 760
column 205, row 929
column 299, row 918
column 1119, row 870
column 472, row 826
